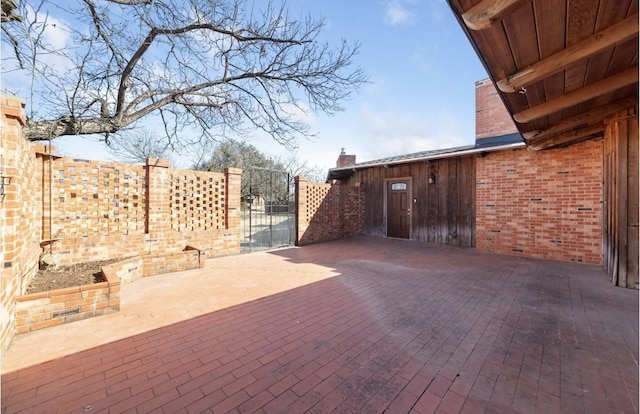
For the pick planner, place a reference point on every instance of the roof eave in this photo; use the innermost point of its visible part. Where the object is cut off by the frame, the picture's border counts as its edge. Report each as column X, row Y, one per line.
column 346, row 172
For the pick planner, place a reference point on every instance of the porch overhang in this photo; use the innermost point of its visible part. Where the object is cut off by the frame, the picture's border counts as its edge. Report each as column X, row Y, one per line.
column 561, row 68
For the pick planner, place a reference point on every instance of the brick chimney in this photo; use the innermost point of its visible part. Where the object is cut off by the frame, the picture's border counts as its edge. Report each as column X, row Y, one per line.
column 345, row 160
column 492, row 118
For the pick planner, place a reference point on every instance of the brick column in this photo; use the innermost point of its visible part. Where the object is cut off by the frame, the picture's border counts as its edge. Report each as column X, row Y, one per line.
column 20, row 212
column 233, row 195
column 301, row 207
column 158, row 214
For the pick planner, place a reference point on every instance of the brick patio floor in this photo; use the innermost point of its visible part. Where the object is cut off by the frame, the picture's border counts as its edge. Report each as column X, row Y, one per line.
column 372, row 326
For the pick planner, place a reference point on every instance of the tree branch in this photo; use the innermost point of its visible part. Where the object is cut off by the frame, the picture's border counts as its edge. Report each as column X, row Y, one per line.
column 203, row 71
column 131, row 2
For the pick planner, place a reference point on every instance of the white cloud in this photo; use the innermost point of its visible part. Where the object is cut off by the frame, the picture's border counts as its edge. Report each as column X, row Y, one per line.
column 397, row 13
column 377, row 86
column 437, row 10
column 56, row 33
column 422, row 57
column 386, row 133
column 301, row 112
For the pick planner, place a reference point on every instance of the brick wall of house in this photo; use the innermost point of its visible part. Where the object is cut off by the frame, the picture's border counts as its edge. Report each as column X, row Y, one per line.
column 328, row 212
column 20, row 214
column 492, row 118
column 541, row 204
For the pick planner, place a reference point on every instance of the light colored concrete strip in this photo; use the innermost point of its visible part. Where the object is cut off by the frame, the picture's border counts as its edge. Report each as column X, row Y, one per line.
column 158, row 301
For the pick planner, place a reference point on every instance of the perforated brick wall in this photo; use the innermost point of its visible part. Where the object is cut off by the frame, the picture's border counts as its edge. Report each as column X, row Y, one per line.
column 545, row 204
column 78, row 211
column 92, row 198
column 197, row 201
column 95, row 210
column 328, row 211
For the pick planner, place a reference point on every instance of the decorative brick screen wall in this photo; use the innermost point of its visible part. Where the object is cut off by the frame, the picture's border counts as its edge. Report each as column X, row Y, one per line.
column 541, row 204
column 20, row 214
column 81, row 211
column 92, row 198
column 328, row 211
column 197, row 201
column 103, row 210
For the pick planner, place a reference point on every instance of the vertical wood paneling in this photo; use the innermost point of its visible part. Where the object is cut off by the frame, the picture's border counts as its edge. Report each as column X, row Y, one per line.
column 609, row 240
column 374, row 204
column 620, row 235
column 442, row 187
column 419, row 207
column 466, row 182
column 633, row 207
column 621, row 213
column 432, row 205
column 442, row 213
column 550, row 41
column 453, row 206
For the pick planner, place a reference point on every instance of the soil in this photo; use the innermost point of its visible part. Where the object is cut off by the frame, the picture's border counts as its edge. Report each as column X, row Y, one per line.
column 68, row 276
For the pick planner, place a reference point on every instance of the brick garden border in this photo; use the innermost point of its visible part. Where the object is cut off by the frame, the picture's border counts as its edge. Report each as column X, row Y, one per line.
column 56, row 307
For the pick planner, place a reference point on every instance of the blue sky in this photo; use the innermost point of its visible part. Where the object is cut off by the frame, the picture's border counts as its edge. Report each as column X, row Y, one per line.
column 422, row 72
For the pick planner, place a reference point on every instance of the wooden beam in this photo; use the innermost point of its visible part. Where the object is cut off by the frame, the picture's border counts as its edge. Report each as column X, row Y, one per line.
column 604, row 86
column 594, row 115
column 592, row 45
column 622, row 172
column 569, row 137
column 485, row 13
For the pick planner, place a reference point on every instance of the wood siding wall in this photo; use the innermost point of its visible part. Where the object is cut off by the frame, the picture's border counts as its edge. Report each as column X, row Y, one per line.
column 620, row 238
column 443, row 212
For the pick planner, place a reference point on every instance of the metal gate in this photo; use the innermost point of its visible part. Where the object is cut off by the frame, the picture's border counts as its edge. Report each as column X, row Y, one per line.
column 268, row 209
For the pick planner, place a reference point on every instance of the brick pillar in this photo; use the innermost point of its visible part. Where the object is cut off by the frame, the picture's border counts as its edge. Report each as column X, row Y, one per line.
column 158, row 214
column 13, row 120
column 233, row 195
column 301, row 207
column 46, row 156
column 20, row 212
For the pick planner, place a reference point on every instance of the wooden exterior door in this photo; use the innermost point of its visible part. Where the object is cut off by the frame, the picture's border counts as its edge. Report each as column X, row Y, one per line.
column 398, row 209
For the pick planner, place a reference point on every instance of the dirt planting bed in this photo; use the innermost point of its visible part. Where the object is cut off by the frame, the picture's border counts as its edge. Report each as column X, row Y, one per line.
column 60, row 277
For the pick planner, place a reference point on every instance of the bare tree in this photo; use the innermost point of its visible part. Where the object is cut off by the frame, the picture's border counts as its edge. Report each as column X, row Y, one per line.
column 138, row 145
column 295, row 166
column 202, row 66
column 9, row 11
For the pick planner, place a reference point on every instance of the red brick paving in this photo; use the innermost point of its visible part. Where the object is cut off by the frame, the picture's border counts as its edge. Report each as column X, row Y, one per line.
column 405, row 328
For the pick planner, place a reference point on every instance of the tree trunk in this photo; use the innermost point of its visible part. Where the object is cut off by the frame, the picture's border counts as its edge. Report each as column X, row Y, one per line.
column 49, row 129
